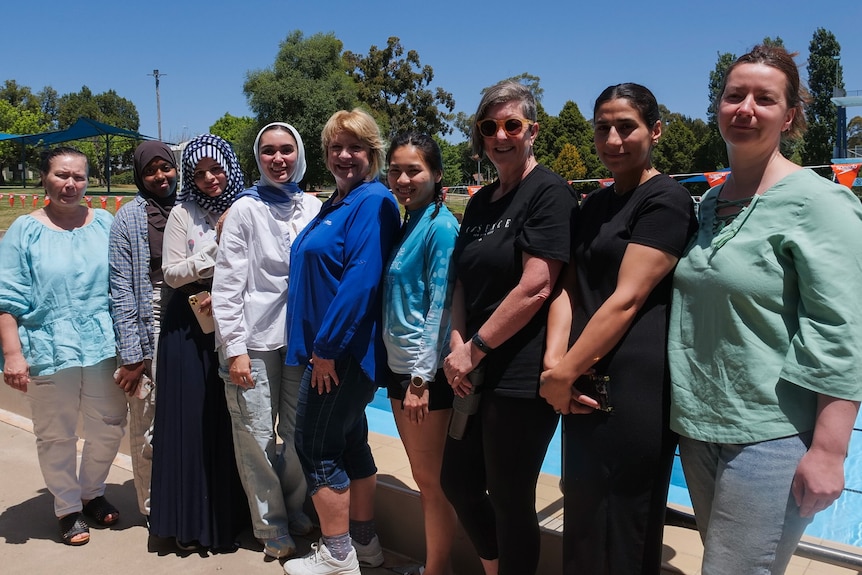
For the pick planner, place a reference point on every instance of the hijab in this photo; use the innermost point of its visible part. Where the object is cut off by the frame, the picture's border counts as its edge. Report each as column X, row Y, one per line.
column 210, row 146
column 274, row 192
column 157, row 207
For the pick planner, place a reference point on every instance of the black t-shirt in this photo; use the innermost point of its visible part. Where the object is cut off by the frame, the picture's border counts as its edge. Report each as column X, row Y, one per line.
column 660, row 214
column 535, row 218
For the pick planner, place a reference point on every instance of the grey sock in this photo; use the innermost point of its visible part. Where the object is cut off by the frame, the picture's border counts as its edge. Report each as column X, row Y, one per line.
column 339, row 545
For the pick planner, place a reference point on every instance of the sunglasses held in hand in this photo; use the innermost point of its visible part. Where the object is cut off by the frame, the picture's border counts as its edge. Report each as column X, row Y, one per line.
column 512, row 126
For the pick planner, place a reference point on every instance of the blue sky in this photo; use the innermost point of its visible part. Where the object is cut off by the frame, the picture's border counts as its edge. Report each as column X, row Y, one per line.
column 205, row 49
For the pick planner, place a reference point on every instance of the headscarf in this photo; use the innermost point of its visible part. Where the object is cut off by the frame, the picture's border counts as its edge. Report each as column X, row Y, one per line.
column 157, row 208
column 290, row 189
column 210, row 146
column 145, row 153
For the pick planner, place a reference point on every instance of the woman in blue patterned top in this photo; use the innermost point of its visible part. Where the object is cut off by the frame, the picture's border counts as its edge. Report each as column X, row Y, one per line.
column 416, row 298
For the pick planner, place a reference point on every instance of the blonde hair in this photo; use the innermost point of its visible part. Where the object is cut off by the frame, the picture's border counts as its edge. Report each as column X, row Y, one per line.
column 359, row 123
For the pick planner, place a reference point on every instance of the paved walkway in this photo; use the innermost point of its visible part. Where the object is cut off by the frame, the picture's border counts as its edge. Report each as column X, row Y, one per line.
column 30, row 540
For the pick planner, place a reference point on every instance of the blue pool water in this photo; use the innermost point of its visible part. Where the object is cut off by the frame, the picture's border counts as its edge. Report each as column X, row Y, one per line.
column 842, row 522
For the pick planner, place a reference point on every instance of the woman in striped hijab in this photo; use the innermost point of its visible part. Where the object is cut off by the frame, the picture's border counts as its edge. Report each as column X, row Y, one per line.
column 196, row 495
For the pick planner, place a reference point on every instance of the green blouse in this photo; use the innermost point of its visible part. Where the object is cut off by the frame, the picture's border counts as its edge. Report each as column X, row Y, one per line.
column 766, row 313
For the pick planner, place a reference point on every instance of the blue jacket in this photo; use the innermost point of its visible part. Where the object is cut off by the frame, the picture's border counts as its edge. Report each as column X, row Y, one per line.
column 337, row 261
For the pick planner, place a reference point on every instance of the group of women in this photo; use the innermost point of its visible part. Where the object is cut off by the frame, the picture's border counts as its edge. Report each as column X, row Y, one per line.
column 640, row 323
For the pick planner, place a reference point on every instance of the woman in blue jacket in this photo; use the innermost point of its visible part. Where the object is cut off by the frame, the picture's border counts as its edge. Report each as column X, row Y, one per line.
column 333, row 326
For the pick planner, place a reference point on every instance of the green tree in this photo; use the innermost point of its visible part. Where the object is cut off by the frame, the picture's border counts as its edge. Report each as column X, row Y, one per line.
column 530, row 81
column 109, row 108
column 824, row 74
column 396, row 88
column 15, row 120
column 569, row 128
column 454, row 170
column 543, row 146
column 18, row 96
column 712, row 154
column 568, row 163
column 305, row 86
column 49, row 103
column 240, row 131
column 854, row 134
column 677, row 149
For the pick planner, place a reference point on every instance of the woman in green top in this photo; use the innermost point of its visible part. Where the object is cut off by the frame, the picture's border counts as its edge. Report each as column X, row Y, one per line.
column 765, row 332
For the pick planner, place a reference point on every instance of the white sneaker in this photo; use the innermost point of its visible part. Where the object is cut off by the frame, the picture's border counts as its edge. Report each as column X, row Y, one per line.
column 320, row 562
column 370, row 555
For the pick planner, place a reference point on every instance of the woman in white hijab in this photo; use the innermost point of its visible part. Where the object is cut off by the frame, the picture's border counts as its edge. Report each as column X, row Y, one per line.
column 249, row 296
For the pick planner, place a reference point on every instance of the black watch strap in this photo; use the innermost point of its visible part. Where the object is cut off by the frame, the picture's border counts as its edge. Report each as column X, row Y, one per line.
column 480, row 343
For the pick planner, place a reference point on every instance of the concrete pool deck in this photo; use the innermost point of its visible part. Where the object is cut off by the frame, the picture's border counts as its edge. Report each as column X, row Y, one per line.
column 30, row 541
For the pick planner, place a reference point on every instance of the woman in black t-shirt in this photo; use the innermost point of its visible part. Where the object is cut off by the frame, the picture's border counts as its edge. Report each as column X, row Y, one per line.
column 514, row 240
column 614, row 301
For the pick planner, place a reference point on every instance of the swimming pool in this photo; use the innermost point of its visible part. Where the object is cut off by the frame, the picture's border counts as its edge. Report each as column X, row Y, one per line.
column 841, row 522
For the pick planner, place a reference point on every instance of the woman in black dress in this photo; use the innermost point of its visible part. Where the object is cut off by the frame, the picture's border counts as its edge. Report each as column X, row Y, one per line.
column 613, row 303
column 196, row 494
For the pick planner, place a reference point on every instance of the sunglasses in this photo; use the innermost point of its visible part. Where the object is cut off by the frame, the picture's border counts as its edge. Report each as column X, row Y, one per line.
column 512, row 126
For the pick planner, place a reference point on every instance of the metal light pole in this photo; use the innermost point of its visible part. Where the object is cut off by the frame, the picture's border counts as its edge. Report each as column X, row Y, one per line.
column 156, row 75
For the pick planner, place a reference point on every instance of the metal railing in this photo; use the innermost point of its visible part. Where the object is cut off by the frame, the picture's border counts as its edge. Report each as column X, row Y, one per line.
column 822, row 553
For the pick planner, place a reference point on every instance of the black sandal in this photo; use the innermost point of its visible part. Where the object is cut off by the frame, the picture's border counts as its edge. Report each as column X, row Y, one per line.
column 99, row 509
column 71, row 526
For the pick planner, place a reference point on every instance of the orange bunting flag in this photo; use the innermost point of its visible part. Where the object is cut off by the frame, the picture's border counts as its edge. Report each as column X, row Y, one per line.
column 715, row 178
column 23, row 198
column 11, row 201
column 606, row 182
column 117, row 201
column 89, row 201
column 104, row 201
column 473, row 189
column 35, row 200
column 845, row 173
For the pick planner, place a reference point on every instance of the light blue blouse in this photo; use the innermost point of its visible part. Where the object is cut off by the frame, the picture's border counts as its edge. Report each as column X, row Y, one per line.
column 55, row 283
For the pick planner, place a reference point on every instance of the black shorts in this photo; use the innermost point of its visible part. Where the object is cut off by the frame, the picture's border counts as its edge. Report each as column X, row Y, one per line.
column 440, row 390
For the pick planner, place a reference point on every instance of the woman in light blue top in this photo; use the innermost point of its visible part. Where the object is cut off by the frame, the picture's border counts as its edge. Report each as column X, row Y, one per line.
column 416, row 299
column 58, row 341
column 765, row 332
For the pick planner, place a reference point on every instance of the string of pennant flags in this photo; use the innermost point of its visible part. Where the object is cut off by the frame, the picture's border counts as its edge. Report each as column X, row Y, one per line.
column 36, row 199
column 845, row 174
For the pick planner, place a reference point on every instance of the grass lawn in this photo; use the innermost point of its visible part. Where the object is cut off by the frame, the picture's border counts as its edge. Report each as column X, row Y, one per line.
column 9, row 213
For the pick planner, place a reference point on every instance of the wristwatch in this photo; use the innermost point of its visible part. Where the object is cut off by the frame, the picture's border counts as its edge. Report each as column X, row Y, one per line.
column 417, row 385
column 480, row 343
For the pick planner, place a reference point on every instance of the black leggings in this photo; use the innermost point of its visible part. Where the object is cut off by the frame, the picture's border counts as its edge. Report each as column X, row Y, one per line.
column 490, row 478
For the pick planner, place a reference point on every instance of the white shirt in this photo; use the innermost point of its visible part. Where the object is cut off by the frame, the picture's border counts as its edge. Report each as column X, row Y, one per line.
column 189, row 246
column 251, row 272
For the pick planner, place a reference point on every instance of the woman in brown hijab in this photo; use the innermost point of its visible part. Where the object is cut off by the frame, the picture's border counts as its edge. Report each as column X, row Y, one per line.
column 137, row 292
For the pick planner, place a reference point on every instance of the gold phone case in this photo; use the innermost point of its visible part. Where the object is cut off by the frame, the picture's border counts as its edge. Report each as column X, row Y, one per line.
column 206, row 321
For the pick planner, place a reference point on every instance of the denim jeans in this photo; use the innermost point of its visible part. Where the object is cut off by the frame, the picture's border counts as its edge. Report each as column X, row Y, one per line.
column 56, row 402
column 274, row 483
column 747, row 517
column 331, row 429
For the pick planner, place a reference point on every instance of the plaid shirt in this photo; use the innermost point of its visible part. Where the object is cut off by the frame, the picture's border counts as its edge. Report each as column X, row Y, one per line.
column 131, row 289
